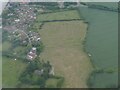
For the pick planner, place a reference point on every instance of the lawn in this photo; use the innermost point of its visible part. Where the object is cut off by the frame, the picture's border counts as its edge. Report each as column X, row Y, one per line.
column 11, row 71
column 64, row 49
column 71, row 14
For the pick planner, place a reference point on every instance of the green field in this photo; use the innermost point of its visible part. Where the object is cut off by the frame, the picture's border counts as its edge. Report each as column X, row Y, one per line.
column 11, row 71
column 64, row 49
column 11, row 68
column 72, row 14
column 5, row 46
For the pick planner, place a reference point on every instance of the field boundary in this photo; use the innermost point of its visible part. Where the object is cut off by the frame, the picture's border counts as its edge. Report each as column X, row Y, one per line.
column 56, row 11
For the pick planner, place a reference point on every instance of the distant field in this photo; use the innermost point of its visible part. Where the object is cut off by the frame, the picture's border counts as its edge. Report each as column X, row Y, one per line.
column 64, row 49
column 72, row 14
column 11, row 70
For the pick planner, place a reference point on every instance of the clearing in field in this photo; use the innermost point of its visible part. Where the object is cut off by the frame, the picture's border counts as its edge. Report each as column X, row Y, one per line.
column 64, row 15
column 64, row 49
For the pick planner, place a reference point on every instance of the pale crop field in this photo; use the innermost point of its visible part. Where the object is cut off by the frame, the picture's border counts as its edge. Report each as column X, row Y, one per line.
column 64, row 49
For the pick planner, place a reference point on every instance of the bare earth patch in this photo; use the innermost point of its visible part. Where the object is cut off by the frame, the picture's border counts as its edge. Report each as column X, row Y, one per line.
column 64, row 49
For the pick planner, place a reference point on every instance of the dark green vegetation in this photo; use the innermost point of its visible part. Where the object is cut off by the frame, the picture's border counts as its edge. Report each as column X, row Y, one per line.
column 37, row 73
column 29, row 77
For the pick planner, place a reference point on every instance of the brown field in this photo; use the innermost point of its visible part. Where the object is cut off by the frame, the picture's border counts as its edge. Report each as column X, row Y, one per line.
column 64, row 49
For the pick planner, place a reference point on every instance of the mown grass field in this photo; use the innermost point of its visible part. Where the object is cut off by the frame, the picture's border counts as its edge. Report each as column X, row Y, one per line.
column 11, row 71
column 64, row 49
column 72, row 14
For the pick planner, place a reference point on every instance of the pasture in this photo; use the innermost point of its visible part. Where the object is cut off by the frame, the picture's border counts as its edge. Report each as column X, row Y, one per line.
column 64, row 49
column 64, row 15
column 11, row 71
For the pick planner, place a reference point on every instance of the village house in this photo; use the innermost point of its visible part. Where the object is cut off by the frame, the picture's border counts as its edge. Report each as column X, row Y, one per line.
column 17, row 20
column 34, row 36
column 39, row 72
column 61, row 4
column 52, row 71
column 32, row 54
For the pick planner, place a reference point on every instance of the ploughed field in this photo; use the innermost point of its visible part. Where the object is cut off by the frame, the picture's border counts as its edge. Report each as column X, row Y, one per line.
column 64, row 49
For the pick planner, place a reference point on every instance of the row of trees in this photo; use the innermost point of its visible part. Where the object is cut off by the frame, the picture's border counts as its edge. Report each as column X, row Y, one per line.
column 29, row 76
